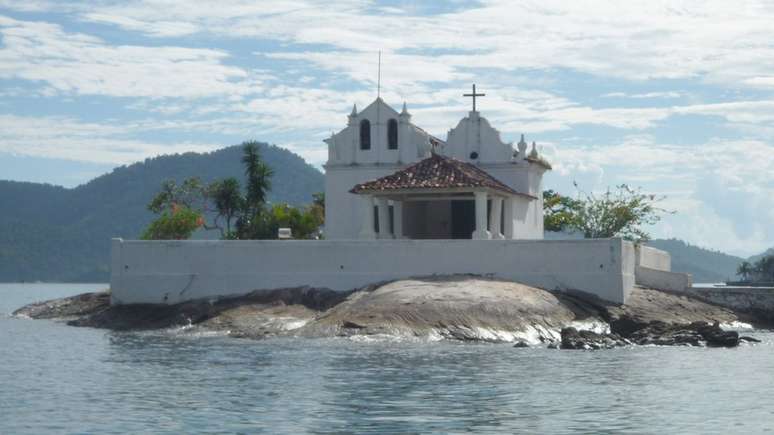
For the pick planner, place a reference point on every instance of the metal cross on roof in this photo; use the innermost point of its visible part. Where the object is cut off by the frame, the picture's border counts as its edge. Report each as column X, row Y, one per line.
column 474, row 95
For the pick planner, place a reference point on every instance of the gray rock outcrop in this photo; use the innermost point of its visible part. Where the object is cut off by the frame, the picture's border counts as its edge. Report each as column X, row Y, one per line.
column 449, row 307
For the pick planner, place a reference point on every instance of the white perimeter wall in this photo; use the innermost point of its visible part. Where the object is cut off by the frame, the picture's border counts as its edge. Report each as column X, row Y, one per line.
column 653, row 269
column 662, row 280
column 175, row 271
column 653, row 258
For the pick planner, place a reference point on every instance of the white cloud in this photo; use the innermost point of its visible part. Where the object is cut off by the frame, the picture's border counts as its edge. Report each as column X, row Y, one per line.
column 646, row 95
column 720, row 41
column 739, row 111
column 70, row 139
column 157, row 28
column 762, row 82
column 721, row 190
column 400, row 73
column 75, row 63
column 33, row 5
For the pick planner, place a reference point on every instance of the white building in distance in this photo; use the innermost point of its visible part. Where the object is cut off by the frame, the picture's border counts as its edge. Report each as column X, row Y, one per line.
column 387, row 178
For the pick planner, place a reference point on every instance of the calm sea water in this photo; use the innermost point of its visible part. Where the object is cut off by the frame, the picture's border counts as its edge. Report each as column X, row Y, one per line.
column 60, row 379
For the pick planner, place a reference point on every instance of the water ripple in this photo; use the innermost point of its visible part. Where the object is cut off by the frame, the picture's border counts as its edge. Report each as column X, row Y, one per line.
column 56, row 378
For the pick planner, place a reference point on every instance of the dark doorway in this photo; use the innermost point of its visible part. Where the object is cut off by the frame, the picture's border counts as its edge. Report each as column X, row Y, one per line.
column 463, row 218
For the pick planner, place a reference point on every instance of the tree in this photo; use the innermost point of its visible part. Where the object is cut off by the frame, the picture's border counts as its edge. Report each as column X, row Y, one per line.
column 318, row 199
column 253, row 222
column 558, row 211
column 236, row 216
column 191, row 193
column 303, row 223
column 227, row 197
column 764, row 269
column 258, row 175
column 317, row 209
column 618, row 213
column 745, row 270
column 181, row 209
column 176, row 224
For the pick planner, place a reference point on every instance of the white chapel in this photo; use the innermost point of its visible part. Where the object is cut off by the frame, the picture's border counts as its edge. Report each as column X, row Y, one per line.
column 395, row 197
column 387, row 178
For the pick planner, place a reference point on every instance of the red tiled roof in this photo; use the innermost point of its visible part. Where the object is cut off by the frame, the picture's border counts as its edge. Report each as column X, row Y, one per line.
column 436, row 172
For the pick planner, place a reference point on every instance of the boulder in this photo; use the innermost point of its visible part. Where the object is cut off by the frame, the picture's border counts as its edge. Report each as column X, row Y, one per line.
column 691, row 334
column 716, row 337
column 588, row 340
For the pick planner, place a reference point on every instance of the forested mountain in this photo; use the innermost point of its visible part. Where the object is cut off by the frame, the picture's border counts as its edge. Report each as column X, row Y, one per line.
column 754, row 258
column 705, row 265
column 50, row 233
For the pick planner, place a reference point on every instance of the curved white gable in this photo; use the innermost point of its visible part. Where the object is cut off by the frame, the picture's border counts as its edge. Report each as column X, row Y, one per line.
column 348, row 165
column 344, row 147
column 475, row 140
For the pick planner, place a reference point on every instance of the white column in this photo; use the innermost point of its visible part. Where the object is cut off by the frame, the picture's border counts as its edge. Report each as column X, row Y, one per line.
column 397, row 216
column 508, row 216
column 494, row 218
column 481, row 232
column 367, row 230
column 384, row 219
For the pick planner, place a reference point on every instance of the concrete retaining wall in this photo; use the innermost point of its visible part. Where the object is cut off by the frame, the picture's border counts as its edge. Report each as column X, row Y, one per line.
column 662, row 280
column 758, row 301
column 653, row 269
column 653, row 258
column 175, row 271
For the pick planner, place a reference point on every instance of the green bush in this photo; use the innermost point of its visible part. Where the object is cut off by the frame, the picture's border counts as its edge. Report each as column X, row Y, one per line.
column 618, row 213
column 176, row 224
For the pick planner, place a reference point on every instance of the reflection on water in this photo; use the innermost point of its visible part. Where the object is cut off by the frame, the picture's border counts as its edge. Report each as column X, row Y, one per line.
column 63, row 379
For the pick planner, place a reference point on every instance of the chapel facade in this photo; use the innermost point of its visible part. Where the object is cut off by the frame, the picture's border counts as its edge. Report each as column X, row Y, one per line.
column 387, row 178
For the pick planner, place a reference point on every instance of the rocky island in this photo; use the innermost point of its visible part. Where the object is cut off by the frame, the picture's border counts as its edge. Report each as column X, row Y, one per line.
column 470, row 308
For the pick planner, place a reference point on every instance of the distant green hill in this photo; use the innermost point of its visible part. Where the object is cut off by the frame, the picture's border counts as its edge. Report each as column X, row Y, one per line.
column 755, row 258
column 705, row 265
column 50, row 233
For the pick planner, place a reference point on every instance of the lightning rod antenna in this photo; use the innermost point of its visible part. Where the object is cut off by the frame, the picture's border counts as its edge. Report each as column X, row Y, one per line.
column 379, row 77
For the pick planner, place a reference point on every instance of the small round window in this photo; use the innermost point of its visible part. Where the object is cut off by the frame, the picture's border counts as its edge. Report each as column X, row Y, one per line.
column 473, row 155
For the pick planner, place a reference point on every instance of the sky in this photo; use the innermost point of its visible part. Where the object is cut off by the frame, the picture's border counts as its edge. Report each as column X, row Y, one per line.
column 676, row 98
